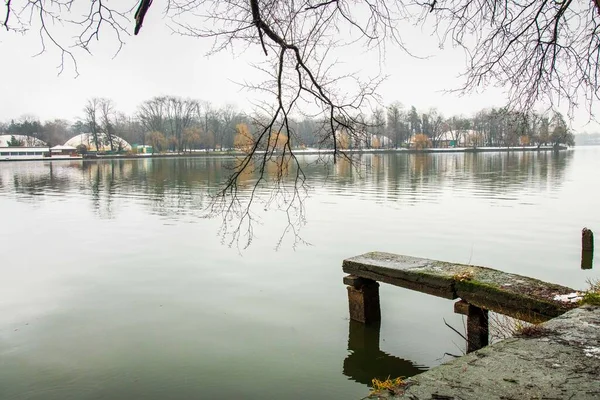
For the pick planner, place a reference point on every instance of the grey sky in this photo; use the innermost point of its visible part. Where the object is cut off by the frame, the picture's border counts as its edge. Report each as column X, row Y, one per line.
column 157, row 62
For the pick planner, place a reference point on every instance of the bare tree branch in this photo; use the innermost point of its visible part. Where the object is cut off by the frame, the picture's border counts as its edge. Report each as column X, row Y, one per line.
column 6, row 18
column 539, row 50
column 140, row 14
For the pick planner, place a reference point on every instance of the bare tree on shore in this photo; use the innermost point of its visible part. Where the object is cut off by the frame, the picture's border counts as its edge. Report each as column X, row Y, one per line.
column 395, row 123
column 180, row 114
column 107, row 121
column 436, row 126
column 92, row 119
column 152, row 114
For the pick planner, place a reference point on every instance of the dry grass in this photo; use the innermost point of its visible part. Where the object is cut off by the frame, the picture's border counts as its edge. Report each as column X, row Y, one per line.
column 463, row 276
column 594, row 285
column 592, row 295
column 503, row 327
column 391, row 386
column 531, row 330
column 591, row 298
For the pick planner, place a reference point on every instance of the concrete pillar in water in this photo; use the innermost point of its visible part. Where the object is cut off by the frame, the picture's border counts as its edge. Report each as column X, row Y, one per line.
column 477, row 328
column 461, row 307
column 587, row 248
column 477, row 325
column 363, row 299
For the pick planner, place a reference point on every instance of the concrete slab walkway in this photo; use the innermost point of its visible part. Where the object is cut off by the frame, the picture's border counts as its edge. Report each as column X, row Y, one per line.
column 518, row 296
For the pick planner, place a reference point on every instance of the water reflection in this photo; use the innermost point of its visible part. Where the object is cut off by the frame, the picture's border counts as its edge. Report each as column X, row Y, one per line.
column 367, row 361
column 424, row 177
column 173, row 187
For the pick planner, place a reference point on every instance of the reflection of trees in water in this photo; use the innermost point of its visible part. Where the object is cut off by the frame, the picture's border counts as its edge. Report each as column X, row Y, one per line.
column 511, row 173
column 102, row 181
column 31, row 181
column 366, row 360
column 386, row 175
column 172, row 187
column 414, row 177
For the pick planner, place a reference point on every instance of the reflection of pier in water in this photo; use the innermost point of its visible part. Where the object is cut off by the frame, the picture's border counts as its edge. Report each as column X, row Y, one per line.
column 367, row 361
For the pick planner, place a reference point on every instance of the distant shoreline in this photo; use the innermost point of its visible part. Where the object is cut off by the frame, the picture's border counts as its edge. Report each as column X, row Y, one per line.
column 298, row 152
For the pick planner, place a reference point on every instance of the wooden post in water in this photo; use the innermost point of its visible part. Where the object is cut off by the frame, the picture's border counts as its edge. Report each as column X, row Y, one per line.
column 587, row 248
column 477, row 328
column 587, row 239
column 363, row 299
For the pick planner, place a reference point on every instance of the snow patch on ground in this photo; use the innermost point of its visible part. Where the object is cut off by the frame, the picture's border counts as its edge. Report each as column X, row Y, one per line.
column 574, row 297
column 592, row 352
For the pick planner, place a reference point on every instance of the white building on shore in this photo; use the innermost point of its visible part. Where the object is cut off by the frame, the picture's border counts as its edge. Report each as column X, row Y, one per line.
column 27, row 141
column 87, row 139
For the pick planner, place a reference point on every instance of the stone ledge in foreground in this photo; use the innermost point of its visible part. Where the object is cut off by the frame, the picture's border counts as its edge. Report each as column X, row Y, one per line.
column 563, row 363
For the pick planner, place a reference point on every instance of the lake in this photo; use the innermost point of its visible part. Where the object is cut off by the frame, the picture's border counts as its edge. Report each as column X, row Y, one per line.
column 115, row 285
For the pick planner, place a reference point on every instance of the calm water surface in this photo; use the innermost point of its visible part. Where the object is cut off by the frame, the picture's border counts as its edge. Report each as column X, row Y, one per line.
column 113, row 286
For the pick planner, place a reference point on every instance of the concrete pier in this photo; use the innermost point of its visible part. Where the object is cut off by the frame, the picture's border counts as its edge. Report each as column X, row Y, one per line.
column 480, row 290
column 557, row 359
column 517, row 296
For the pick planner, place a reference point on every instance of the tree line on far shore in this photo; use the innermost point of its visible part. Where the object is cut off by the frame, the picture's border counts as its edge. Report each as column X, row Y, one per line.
column 171, row 123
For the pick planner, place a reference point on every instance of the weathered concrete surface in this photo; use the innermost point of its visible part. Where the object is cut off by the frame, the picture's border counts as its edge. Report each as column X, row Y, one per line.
column 409, row 272
column 515, row 295
column 563, row 363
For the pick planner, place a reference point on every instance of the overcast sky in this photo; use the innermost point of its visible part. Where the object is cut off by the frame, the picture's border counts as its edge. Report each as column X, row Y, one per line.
column 157, row 62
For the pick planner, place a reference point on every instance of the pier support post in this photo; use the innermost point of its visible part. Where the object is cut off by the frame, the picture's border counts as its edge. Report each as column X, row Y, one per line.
column 363, row 299
column 477, row 325
column 587, row 248
column 477, row 328
column 461, row 307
